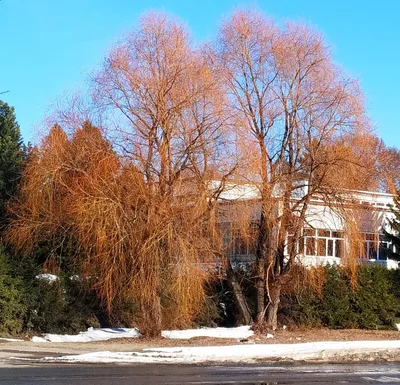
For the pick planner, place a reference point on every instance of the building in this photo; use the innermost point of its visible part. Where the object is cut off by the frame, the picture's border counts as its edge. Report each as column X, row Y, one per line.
column 325, row 235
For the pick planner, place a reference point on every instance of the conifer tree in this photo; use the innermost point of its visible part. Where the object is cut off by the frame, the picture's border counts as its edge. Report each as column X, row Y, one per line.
column 11, row 156
column 394, row 234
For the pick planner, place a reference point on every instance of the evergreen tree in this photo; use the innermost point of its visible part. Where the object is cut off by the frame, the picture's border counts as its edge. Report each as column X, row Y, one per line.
column 394, row 234
column 11, row 156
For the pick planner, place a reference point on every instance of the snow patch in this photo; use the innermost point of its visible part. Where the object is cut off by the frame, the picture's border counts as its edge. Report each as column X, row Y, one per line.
column 235, row 353
column 47, row 277
column 384, row 379
column 106, row 334
column 11, row 340
column 90, row 335
column 238, row 332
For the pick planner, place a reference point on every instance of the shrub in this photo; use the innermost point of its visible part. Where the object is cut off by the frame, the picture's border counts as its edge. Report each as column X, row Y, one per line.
column 58, row 307
column 334, row 308
column 373, row 303
column 12, row 307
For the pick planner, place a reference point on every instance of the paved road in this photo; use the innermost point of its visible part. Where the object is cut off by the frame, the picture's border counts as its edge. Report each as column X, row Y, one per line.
column 177, row 375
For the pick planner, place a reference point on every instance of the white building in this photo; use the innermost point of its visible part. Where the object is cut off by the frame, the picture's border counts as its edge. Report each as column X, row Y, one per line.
column 324, row 239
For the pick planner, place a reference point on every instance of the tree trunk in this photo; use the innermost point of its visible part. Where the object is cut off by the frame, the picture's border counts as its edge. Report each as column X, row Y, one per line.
column 260, row 288
column 240, row 299
column 151, row 318
column 262, row 248
column 273, row 306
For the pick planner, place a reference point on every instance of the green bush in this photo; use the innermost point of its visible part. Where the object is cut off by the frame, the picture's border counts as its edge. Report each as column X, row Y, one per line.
column 12, row 307
column 334, row 309
column 374, row 302
column 58, row 307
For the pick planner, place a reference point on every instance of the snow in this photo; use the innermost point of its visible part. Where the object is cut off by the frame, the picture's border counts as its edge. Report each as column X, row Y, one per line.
column 238, row 332
column 234, row 353
column 11, row 340
column 47, row 277
column 244, row 353
column 90, row 335
column 106, row 334
column 384, row 379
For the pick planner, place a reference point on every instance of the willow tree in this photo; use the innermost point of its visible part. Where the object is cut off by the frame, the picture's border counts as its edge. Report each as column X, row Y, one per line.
column 293, row 106
column 373, row 166
column 166, row 115
column 388, row 167
column 77, row 194
column 58, row 173
column 144, row 218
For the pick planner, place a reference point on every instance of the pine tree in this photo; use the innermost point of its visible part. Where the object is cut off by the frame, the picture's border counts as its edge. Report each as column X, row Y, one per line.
column 393, row 234
column 11, row 156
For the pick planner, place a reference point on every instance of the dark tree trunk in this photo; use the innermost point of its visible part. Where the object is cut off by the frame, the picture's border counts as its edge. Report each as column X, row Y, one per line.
column 273, row 306
column 240, row 299
column 260, row 289
column 261, row 254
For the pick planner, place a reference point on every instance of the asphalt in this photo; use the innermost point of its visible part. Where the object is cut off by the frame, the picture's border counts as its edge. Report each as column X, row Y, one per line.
column 388, row 373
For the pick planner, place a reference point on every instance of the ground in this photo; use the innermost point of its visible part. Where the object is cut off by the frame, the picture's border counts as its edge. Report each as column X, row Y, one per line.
column 281, row 336
column 38, row 349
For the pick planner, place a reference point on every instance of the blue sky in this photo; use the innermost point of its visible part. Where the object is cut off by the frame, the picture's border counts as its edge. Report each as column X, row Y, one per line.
column 49, row 46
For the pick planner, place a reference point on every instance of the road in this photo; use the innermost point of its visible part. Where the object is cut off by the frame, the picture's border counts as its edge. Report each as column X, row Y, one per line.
column 387, row 373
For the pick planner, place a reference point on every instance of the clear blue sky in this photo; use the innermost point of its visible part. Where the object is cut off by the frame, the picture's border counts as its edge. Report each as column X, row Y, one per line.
column 49, row 46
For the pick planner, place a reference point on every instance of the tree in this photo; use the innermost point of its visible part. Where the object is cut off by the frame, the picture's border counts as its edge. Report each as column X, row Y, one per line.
column 11, row 156
column 293, row 108
column 264, row 104
column 389, row 168
column 374, row 166
column 168, row 111
column 393, row 231
column 139, row 209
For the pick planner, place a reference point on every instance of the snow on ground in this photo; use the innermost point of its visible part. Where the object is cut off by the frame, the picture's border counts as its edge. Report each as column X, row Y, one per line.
column 239, row 332
column 47, row 277
column 106, row 334
column 235, row 353
column 90, row 335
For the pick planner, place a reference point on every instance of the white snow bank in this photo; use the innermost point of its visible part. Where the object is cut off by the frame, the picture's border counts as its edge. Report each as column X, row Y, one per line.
column 90, row 335
column 239, row 332
column 11, row 340
column 106, row 334
column 235, row 353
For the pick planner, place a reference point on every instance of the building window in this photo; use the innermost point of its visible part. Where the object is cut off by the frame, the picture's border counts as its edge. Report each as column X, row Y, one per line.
column 376, row 246
column 322, row 243
column 329, row 252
